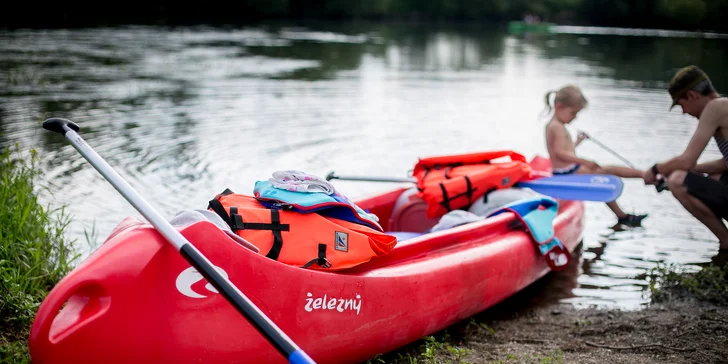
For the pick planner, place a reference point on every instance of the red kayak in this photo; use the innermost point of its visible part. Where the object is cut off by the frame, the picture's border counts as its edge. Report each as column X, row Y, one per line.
column 136, row 300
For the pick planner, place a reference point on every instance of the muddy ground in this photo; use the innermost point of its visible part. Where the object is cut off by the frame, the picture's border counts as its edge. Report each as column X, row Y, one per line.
column 530, row 328
column 678, row 332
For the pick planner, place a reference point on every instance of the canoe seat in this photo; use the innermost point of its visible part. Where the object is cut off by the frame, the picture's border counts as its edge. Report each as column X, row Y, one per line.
column 409, row 213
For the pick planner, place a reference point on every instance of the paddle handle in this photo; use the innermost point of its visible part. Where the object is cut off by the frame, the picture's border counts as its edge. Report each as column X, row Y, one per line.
column 231, row 293
column 661, row 186
column 611, row 151
column 331, row 176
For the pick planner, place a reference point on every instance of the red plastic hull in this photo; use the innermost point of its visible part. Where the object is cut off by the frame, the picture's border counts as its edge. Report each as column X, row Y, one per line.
column 124, row 303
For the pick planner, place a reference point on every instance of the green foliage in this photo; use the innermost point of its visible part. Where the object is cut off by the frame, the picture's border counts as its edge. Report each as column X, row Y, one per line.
column 34, row 254
column 376, row 359
column 487, row 330
column 690, row 12
column 555, row 358
column 676, row 14
column 707, row 284
column 430, row 349
column 458, row 352
column 703, row 14
column 15, row 352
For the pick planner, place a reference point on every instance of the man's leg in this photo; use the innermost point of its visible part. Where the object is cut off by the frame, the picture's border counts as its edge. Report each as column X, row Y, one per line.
column 697, row 208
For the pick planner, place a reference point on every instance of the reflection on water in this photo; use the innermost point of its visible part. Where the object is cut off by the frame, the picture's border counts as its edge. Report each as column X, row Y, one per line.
column 185, row 112
column 635, row 32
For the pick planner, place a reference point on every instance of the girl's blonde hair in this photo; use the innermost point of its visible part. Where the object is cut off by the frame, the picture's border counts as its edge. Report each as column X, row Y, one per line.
column 569, row 95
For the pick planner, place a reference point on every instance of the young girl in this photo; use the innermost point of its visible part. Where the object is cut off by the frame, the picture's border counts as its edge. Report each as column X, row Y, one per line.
column 567, row 103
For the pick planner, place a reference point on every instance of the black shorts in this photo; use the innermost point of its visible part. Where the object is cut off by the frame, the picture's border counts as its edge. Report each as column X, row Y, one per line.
column 711, row 192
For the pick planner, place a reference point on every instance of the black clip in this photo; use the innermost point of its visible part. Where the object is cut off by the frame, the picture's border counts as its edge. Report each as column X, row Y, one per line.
column 326, row 263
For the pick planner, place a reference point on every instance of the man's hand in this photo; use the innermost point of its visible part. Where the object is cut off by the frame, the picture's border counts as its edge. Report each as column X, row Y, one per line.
column 649, row 177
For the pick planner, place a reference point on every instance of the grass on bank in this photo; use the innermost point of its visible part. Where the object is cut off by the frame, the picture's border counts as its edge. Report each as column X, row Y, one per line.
column 672, row 281
column 34, row 254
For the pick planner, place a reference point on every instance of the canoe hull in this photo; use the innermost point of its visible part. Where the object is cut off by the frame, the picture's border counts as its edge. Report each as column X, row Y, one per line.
column 136, row 300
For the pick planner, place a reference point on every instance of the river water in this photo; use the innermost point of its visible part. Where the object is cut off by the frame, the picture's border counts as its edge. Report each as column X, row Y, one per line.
column 185, row 112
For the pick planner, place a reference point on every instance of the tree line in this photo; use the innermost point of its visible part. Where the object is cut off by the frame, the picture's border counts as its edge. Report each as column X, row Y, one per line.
column 671, row 14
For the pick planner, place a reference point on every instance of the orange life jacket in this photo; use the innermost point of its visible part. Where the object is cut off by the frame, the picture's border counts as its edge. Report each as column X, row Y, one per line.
column 301, row 239
column 451, row 182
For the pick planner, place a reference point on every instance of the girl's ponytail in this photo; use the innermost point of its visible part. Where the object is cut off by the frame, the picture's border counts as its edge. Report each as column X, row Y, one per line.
column 548, row 107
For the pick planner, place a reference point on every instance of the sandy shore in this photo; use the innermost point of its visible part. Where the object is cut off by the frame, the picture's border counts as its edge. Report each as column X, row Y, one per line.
column 682, row 328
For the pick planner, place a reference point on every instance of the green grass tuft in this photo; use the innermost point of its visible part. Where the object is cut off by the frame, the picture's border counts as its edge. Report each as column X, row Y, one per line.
column 34, row 254
column 708, row 284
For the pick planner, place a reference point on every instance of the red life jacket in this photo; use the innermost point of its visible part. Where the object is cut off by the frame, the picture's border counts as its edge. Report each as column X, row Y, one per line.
column 451, row 182
column 301, row 239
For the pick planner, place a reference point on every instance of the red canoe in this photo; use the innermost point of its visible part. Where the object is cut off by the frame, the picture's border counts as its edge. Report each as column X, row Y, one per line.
column 135, row 300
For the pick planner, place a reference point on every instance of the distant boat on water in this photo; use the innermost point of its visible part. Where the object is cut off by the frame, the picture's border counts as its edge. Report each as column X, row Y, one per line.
column 521, row 26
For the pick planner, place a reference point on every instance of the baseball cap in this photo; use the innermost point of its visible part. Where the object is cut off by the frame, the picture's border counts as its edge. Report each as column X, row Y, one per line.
column 685, row 80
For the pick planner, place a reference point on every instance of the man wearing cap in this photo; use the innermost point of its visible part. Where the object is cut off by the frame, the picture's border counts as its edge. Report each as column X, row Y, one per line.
column 701, row 188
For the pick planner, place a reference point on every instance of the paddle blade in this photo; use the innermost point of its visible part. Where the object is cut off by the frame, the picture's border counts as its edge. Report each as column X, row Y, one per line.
column 582, row 187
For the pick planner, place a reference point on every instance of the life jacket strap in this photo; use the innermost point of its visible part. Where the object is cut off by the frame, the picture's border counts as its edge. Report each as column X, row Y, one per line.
column 236, row 223
column 445, row 198
column 275, row 250
column 468, row 192
column 485, row 195
column 321, row 259
column 421, row 181
column 219, row 209
column 239, row 224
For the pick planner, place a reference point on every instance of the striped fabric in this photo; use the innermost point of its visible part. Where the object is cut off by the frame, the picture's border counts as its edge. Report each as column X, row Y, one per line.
column 723, row 146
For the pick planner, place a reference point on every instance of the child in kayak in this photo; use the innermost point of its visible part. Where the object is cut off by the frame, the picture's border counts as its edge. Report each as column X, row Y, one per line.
column 568, row 101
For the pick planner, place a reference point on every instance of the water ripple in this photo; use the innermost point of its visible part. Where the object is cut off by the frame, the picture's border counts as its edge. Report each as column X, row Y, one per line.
column 184, row 112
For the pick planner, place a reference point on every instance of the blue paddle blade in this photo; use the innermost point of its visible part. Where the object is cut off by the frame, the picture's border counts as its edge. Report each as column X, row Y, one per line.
column 582, row 187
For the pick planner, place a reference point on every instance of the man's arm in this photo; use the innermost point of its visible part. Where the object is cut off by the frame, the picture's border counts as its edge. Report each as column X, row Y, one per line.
column 713, row 167
column 707, row 126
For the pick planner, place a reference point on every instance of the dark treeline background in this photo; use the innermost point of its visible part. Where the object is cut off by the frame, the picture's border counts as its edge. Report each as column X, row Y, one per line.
column 670, row 14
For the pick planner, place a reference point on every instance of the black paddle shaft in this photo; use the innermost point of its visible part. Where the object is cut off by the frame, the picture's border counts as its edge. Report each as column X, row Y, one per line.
column 242, row 304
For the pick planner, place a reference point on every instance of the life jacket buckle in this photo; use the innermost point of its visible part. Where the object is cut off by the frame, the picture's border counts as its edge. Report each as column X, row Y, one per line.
column 325, row 264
